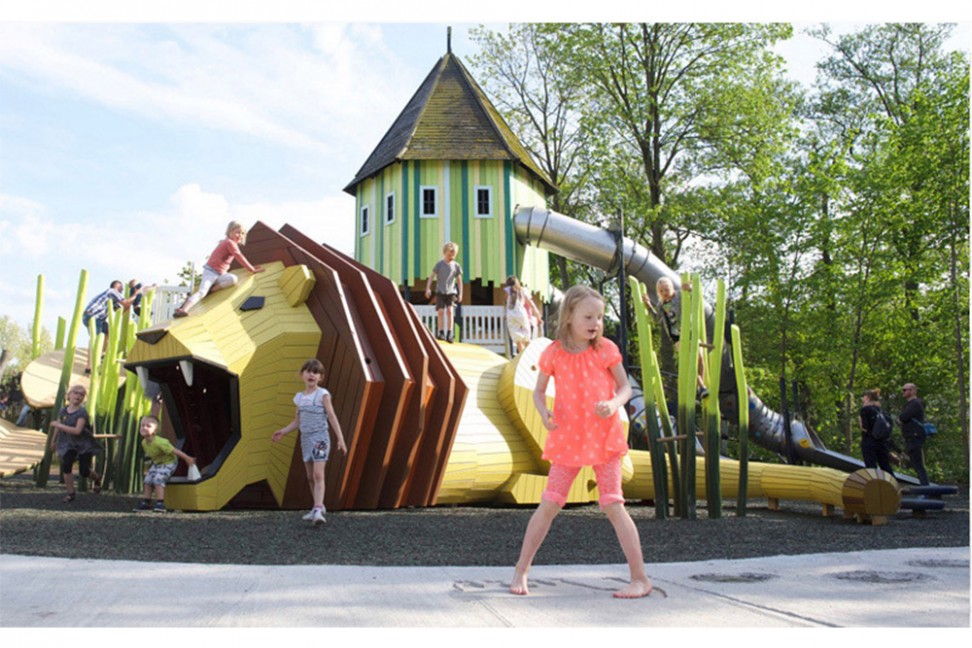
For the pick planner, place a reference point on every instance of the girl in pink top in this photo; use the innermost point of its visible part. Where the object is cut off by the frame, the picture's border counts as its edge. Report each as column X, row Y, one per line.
column 216, row 275
column 584, row 429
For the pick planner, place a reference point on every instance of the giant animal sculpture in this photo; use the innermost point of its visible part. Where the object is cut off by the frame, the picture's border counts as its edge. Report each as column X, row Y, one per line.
column 426, row 423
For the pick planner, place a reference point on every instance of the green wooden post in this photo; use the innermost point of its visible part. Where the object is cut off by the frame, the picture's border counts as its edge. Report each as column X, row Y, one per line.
column 38, row 314
column 59, row 338
column 43, row 470
column 742, row 409
column 687, row 379
column 710, row 406
column 649, row 377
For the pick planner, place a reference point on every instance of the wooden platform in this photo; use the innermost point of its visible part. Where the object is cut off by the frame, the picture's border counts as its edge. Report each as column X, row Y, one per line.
column 20, row 449
column 41, row 378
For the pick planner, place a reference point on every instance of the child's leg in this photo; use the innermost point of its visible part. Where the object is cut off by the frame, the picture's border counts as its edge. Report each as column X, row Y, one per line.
column 554, row 497
column 627, row 532
column 612, row 503
column 225, row 280
column 440, row 316
column 315, row 474
column 160, row 492
column 535, row 533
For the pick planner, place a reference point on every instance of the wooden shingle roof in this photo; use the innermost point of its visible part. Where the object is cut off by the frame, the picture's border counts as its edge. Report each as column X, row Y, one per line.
column 448, row 118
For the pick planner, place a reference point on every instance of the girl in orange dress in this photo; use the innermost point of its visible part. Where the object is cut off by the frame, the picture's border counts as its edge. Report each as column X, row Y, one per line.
column 583, row 430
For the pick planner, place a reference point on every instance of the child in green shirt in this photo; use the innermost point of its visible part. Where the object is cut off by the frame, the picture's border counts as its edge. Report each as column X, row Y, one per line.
column 164, row 457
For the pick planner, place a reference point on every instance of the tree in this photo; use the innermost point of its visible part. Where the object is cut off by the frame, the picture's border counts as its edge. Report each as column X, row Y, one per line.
column 530, row 85
column 15, row 347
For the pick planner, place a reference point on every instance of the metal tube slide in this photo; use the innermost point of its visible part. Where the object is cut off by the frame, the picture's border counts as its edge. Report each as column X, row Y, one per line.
column 599, row 248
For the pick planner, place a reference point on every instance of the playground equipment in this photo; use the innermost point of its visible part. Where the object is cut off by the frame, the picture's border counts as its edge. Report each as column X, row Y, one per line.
column 426, row 423
column 599, row 248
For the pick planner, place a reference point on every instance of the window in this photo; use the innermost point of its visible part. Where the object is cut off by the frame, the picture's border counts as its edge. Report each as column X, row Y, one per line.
column 389, row 209
column 365, row 222
column 484, row 202
column 430, row 202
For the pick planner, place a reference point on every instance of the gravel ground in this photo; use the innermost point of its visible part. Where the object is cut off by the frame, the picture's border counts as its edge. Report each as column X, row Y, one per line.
column 36, row 522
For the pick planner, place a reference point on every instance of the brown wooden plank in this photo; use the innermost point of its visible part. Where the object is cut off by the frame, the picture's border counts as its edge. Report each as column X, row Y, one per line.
column 403, row 440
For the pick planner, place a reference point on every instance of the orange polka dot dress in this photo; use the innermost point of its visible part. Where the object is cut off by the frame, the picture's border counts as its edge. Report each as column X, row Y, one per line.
column 581, row 380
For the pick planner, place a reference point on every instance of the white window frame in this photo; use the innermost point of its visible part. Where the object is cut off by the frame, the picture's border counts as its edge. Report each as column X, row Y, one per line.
column 435, row 191
column 365, row 214
column 489, row 191
column 390, row 196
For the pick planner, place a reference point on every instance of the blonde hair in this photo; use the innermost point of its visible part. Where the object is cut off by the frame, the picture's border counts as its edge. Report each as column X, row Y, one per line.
column 873, row 395
column 450, row 246
column 236, row 225
column 572, row 299
column 79, row 388
column 664, row 281
column 514, row 290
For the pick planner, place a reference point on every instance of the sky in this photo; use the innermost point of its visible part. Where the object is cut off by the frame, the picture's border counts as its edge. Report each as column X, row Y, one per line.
column 128, row 140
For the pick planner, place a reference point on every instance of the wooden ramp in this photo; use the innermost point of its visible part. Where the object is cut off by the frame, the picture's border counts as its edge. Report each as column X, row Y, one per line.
column 20, row 449
column 41, row 378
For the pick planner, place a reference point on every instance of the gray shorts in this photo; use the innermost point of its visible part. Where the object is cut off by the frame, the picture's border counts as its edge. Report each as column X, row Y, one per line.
column 315, row 447
column 158, row 474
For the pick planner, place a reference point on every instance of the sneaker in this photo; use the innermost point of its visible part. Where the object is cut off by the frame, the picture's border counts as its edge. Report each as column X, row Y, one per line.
column 317, row 517
column 159, row 508
column 440, row 335
column 144, row 505
column 703, row 393
column 180, row 313
column 309, row 515
column 450, row 337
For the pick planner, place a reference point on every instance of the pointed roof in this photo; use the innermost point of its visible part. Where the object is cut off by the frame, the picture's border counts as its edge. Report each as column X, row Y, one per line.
column 448, row 118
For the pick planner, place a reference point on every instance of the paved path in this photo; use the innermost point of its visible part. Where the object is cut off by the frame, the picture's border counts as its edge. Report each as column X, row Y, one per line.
column 902, row 587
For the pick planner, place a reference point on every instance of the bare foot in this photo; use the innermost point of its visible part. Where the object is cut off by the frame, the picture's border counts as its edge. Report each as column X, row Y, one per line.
column 635, row 589
column 519, row 583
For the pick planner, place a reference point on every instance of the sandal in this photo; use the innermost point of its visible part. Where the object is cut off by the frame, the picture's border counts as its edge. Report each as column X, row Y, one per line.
column 70, row 497
column 96, row 485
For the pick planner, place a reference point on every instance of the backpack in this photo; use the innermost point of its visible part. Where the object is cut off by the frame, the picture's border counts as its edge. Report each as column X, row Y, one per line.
column 881, row 430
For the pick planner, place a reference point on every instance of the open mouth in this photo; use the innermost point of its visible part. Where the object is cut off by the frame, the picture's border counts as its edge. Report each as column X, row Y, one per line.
column 201, row 402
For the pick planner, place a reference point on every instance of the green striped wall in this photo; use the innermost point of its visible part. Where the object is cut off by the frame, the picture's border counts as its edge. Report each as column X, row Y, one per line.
column 409, row 247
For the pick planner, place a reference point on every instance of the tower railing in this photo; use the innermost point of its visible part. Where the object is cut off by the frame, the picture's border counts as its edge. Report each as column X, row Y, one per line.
column 482, row 325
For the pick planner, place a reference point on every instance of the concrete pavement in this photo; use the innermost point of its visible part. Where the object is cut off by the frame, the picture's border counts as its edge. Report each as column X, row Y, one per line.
column 893, row 588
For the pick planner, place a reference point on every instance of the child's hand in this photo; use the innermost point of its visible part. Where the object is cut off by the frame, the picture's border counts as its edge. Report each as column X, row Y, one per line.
column 428, row 293
column 340, row 446
column 604, row 409
column 258, row 269
column 548, row 421
column 277, row 436
column 191, row 461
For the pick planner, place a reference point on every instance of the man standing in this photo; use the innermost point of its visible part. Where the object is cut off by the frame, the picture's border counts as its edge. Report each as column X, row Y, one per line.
column 911, row 419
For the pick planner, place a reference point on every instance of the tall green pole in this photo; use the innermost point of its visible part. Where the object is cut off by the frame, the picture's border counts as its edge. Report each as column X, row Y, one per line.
column 742, row 410
column 687, row 378
column 42, row 472
column 710, row 407
column 650, row 378
column 38, row 314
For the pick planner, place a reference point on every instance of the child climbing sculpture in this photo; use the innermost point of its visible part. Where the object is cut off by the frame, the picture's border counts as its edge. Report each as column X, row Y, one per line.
column 216, row 275
column 670, row 304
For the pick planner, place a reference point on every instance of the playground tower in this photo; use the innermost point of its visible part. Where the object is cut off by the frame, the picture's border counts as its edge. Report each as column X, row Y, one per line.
column 449, row 169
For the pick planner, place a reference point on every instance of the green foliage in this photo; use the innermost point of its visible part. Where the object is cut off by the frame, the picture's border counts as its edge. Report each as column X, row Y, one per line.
column 16, row 347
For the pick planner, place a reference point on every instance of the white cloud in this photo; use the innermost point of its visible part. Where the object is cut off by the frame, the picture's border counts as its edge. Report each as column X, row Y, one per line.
column 265, row 81
column 151, row 245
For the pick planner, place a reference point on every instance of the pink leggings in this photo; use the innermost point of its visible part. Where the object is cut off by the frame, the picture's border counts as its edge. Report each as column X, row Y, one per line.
column 608, row 476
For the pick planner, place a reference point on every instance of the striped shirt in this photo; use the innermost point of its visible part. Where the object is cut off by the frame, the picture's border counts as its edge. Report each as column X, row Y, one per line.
column 98, row 307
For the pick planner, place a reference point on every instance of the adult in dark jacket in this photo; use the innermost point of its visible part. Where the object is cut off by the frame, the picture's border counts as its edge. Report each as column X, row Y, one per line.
column 875, row 452
column 911, row 418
